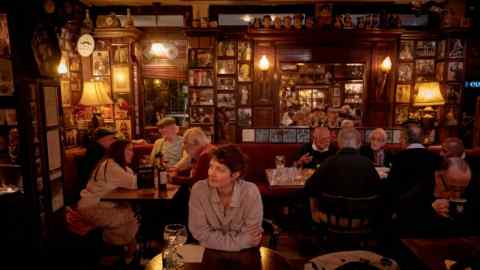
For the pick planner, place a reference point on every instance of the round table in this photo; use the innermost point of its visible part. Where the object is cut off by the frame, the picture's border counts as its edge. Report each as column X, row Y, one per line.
column 254, row 259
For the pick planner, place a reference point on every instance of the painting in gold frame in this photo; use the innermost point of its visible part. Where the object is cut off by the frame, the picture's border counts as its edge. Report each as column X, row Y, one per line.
column 120, row 78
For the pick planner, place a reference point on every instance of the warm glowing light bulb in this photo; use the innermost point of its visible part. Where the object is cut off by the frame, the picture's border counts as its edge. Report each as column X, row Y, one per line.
column 264, row 64
column 157, row 48
column 246, row 18
column 386, row 64
column 62, row 68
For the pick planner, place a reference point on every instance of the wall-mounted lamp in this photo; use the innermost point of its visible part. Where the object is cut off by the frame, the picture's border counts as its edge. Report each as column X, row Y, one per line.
column 157, row 49
column 62, row 68
column 385, row 67
column 264, row 64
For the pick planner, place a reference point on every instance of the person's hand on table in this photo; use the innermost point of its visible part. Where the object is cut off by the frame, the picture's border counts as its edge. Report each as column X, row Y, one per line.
column 441, row 207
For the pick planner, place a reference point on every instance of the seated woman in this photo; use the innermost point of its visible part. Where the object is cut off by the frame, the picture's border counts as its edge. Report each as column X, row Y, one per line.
column 118, row 221
column 198, row 147
column 226, row 212
column 375, row 149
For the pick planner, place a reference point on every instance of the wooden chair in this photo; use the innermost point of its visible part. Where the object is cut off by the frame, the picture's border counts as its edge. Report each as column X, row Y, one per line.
column 350, row 222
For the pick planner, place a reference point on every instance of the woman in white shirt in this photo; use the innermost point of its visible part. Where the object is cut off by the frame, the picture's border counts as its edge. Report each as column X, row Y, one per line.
column 117, row 220
column 226, row 212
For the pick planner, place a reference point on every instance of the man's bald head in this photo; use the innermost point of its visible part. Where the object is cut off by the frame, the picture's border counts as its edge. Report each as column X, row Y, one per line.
column 452, row 147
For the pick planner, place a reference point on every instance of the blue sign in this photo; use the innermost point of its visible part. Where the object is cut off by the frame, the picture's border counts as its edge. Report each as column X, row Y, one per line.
column 472, row 84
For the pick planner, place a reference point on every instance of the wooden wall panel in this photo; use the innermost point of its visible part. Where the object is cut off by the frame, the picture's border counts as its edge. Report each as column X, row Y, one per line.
column 263, row 117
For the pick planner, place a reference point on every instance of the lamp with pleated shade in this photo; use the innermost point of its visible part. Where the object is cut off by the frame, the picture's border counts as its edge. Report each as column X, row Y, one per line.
column 95, row 93
column 428, row 94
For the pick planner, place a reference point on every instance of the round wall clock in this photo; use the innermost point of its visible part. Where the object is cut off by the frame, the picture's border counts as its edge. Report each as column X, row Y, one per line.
column 85, row 45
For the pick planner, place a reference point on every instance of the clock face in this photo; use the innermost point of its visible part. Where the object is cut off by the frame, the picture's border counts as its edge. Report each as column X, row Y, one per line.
column 85, row 45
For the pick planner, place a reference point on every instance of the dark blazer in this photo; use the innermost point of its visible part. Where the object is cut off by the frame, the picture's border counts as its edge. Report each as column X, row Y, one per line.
column 410, row 186
column 318, row 157
column 367, row 151
column 346, row 174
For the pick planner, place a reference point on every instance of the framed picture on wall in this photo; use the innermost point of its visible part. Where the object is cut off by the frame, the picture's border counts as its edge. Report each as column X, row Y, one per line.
column 120, row 54
column 100, row 63
column 425, row 67
column 225, row 67
column 225, row 83
column 455, row 71
column 226, row 100
column 124, row 127
column 122, row 105
column 244, row 73
column 201, row 58
column 453, row 93
column 405, row 71
column 202, row 115
column 406, row 50
column 245, row 51
column 226, row 48
column 403, row 93
column 121, row 79
column 200, row 77
column 401, row 114
column 245, row 117
column 65, row 93
column 244, row 94
column 74, row 63
column 203, row 97
column 425, row 48
column 456, row 48
column 4, row 37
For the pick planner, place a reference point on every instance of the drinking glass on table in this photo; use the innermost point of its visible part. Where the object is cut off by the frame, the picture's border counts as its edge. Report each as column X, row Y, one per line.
column 178, row 233
column 279, row 162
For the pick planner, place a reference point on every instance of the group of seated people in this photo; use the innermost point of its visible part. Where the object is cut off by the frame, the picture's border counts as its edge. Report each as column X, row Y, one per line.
column 225, row 211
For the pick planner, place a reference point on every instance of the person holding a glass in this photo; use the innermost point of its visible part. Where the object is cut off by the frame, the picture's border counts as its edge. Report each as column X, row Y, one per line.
column 225, row 211
column 452, row 213
column 310, row 155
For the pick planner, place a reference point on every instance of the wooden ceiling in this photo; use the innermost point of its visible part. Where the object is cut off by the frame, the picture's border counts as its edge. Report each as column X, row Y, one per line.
column 222, row 2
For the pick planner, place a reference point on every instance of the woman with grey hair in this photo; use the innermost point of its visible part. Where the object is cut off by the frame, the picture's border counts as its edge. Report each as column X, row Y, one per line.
column 375, row 149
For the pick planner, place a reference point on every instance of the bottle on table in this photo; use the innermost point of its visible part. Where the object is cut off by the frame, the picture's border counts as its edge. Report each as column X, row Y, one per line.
column 160, row 173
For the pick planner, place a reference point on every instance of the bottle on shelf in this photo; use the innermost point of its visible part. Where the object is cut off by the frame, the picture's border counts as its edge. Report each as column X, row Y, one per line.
column 160, row 173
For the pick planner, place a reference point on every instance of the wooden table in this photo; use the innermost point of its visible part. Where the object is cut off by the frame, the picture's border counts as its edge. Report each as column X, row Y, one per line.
column 295, row 181
column 432, row 253
column 253, row 259
column 144, row 194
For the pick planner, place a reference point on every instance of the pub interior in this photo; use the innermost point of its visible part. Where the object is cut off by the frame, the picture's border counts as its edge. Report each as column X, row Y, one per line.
column 268, row 134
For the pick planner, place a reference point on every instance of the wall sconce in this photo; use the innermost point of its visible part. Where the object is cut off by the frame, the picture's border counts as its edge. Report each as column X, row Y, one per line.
column 385, row 67
column 264, row 64
column 62, row 68
column 157, row 49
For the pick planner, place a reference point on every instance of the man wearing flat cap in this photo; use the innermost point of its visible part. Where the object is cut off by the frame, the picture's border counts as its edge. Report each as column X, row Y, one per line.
column 103, row 137
column 170, row 144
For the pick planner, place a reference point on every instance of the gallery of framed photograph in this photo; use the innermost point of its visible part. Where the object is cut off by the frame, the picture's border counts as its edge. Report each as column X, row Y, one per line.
column 200, row 58
column 100, row 63
column 405, row 71
column 244, row 94
column 122, row 105
column 202, row 115
column 200, row 77
column 406, row 50
column 202, row 97
column 245, row 51
column 121, row 78
column 425, row 67
column 355, row 71
column 225, row 67
column 124, row 127
column 74, row 63
column 225, row 83
column 403, row 93
column 226, row 48
column 455, row 71
column 425, row 48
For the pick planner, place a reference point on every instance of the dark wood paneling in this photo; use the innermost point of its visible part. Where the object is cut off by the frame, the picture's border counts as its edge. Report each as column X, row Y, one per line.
column 263, row 117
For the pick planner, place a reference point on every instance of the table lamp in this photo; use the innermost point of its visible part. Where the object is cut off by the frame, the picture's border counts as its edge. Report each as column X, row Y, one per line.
column 95, row 93
column 428, row 94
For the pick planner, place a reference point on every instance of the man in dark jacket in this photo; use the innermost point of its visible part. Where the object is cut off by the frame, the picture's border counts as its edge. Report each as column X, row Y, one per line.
column 314, row 153
column 347, row 174
column 411, row 181
column 103, row 138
